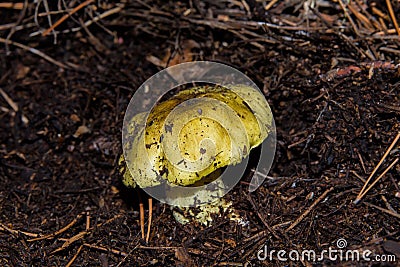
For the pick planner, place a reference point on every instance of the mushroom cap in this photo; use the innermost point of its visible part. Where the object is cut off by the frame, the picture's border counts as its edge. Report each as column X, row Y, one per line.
column 194, row 133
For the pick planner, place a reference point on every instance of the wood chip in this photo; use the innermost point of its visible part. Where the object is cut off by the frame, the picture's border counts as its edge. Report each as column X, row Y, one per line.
column 81, row 130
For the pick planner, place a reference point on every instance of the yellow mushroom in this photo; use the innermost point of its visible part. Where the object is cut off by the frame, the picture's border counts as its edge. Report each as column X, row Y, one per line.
column 193, row 134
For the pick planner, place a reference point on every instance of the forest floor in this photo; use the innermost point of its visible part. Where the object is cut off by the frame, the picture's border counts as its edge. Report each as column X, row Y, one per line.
column 329, row 70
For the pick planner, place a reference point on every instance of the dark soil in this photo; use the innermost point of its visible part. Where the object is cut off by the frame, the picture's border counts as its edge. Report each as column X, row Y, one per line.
column 333, row 88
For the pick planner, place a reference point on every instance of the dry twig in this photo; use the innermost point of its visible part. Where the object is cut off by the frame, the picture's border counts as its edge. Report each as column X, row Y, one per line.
column 62, row 230
column 114, row 251
column 141, row 214
column 63, row 18
column 150, row 219
column 74, row 257
column 12, row 5
column 395, row 214
column 376, row 180
column 39, row 53
column 16, row 232
column 13, row 105
column 393, row 16
column 364, row 190
column 304, row 214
